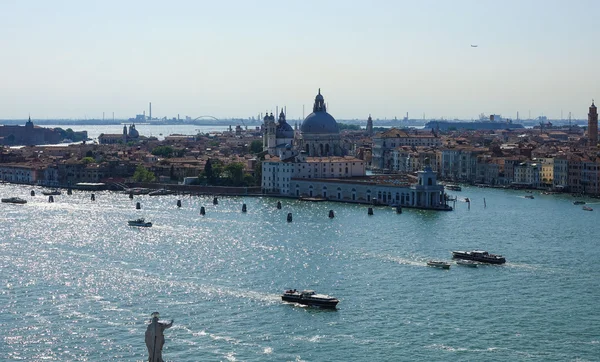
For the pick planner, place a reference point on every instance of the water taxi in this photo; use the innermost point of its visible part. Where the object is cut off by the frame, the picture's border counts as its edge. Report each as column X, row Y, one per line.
column 309, row 297
column 480, row 256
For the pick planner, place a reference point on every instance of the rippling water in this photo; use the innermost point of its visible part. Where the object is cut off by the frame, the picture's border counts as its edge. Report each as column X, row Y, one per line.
column 78, row 284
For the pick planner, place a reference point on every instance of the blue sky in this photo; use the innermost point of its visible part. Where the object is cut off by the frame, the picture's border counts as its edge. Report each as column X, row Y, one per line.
column 76, row 59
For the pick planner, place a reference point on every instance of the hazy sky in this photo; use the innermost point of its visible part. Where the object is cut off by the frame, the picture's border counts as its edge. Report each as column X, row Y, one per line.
column 77, row 59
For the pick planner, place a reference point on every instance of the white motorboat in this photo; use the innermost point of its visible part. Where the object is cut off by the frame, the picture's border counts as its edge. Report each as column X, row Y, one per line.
column 439, row 264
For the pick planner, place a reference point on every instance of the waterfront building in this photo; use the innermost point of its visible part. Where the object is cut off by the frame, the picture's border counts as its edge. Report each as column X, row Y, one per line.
column 560, row 172
column 546, row 171
column 385, row 142
column 593, row 126
column 590, row 180
column 574, row 173
column 527, row 174
column 490, row 170
column 316, row 164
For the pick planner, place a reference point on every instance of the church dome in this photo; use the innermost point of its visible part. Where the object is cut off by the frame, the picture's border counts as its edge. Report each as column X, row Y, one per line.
column 319, row 121
column 283, row 130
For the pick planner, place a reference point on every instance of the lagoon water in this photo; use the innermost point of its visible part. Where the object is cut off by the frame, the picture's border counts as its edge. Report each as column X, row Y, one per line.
column 78, row 284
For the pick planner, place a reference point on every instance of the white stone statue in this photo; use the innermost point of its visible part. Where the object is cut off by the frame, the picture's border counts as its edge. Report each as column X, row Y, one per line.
column 155, row 338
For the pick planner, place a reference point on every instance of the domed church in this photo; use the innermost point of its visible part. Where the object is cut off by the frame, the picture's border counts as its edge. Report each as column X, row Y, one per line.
column 320, row 134
column 314, row 165
column 278, row 135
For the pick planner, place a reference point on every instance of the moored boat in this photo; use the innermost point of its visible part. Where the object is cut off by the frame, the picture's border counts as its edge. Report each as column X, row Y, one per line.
column 161, row 192
column 578, row 202
column 480, row 256
column 529, row 197
column 14, row 200
column 453, row 187
column 309, row 297
column 51, row 192
column 438, row 264
column 587, row 208
column 139, row 222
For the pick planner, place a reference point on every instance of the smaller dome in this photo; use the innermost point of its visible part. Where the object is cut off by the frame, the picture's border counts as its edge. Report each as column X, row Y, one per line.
column 284, row 130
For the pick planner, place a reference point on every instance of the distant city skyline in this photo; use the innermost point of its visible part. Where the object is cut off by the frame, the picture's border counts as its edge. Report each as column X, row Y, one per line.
column 233, row 59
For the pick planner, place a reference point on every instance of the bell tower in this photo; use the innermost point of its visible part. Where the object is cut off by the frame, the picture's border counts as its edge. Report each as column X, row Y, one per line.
column 593, row 126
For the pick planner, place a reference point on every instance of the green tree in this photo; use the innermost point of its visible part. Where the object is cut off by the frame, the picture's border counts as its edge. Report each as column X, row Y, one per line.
column 217, row 172
column 256, row 146
column 258, row 173
column 89, row 154
column 87, row 160
column 208, row 172
column 141, row 174
column 235, row 173
column 164, row 151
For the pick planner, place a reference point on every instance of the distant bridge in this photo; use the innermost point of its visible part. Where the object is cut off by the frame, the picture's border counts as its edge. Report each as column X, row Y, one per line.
column 211, row 117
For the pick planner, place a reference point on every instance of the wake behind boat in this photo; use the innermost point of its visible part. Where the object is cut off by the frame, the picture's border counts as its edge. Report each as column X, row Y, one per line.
column 139, row 222
column 309, row 297
column 480, row 256
column 469, row 263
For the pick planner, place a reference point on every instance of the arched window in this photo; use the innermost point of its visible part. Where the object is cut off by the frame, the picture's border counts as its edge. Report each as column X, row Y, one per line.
column 321, row 149
column 429, row 181
column 307, row 149
column 327, row 149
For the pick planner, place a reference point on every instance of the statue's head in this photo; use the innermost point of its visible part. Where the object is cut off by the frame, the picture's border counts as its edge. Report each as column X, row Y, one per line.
column 155, row 315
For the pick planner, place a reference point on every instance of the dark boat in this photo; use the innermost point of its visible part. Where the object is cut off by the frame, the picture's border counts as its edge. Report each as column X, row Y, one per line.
column 480, row 256
column 309, row 297
column 139, row 222
column 51, row 192
column 14, row 200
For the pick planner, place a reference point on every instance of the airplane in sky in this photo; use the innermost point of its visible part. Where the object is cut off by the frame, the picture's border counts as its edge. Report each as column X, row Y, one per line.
column 473, row 45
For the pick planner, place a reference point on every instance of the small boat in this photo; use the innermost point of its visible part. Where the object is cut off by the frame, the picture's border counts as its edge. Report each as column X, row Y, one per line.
column 51, row 192
column 14, row 200
column 310, row 298
column 529, row 197
column 587, row 208
column 161, row 192
column 470, row 263
column 137, row 191
column 453, row 187
column 438, row 264
column 480, row 256
column 579, row 202
column 139, row 222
